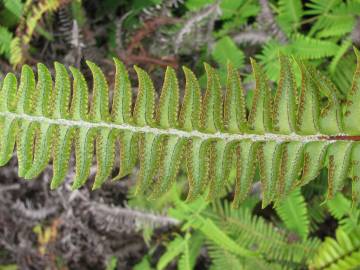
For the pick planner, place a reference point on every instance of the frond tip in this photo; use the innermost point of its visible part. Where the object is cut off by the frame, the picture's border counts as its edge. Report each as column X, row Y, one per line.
column 288, row 136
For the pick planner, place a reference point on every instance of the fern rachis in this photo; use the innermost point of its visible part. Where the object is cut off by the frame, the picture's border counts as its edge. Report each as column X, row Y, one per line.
column 290, row 137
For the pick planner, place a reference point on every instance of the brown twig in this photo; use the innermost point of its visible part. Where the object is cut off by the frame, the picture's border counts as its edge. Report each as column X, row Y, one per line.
column 152, row 60
column 343, row 138
column 142, row 57
column 149, row 27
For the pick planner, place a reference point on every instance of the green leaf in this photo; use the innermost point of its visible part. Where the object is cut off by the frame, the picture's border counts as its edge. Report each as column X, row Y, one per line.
column 61, row 96
column 79, row 105
column 211, row 114
column 314, row 155
column 355, row 173
column 284, row 113
column 225, row 50
column 309, row 107
column 339, row 206
column 5, row 41
column 128, row 153
column 15, row 7
column 352, row 111
column 173, row 249
column 290, row 13
column 305, row 47
column 197, row 164
column 220, row 169
column 269, row 156
column 105, row 149
column 338, row 160
column 340, row 253
column 229, row 8
column 167, row 114
column 197, row 4
column 169, row 164
column 145, row 104
column 260, row 114
column 293, row 212
column 189, row 118
column 25, row 91
column 9, row 125
column 290, row 168
column 234, row 103
column 245, row 169
column 100, row 101
column 122, row 100
column 150, row 151
column 61, row 154
column 186, row 248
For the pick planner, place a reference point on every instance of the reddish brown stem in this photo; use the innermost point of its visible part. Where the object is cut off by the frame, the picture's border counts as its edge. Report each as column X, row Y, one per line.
column 343, row 138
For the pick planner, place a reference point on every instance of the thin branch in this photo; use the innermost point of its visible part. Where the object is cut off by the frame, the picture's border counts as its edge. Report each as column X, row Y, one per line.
column 129, row 219
column 119, row 31
column 267, row 21
column 252, row 37
column 9, row 187
column 36, row 214
column 355, row 34
column 193, row 21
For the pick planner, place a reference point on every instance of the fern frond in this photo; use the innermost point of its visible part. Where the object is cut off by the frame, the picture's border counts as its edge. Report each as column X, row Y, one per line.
column 346, row 44
column 173, row 249
column 343, row 73
column 290, row 13
column 34, row 13
column 192, row 214
column 339, row 206
column 335, row 18
column 305, row 47
column 5, row 41
column 268, row 58
column 186, row 248
column 286, row 135
column 222, row 259
column 254, row 232
column 191, row 251
column 348, row 217
column 342, row 253
column 14, row 6
column 294, row 214
column 16, row 53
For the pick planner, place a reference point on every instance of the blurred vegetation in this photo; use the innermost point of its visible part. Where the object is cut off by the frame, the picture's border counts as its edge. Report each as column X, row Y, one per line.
column 304, row 231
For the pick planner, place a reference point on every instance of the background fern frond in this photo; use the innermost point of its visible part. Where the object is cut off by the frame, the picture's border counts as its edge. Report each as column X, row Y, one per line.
column 223, row 259
column 342, row 75
column 251, row 231
column 340, row 253
column 340, row 208
column 14, row 6
column 310, row 48
column 335, row 17
column 294, row 214
column 290, row 13
column 5, row 41
column 186, row 249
